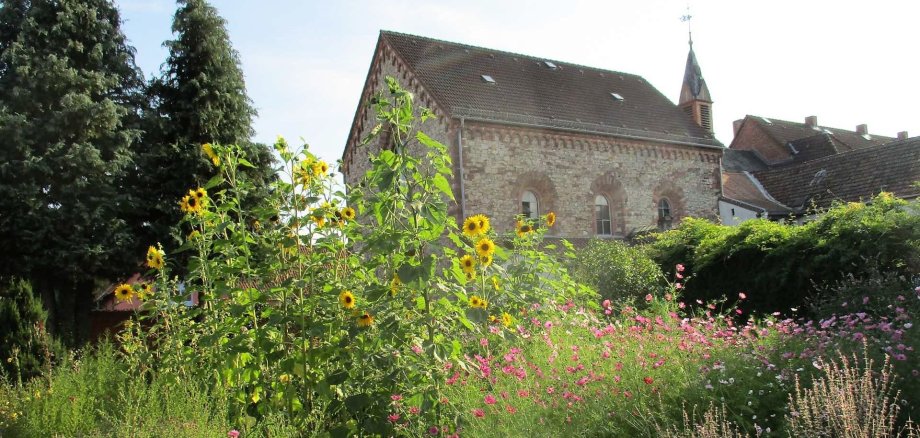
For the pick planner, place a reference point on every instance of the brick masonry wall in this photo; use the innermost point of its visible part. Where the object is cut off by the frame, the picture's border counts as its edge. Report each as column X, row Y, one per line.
column 565, row 170
column 752, row 137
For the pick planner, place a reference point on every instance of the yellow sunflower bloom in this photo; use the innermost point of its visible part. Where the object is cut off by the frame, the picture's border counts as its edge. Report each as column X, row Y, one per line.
column 523, row 228
column 303, row 173
column 365, row 320
column 318, row 219
column 484, row 225
column 550, row 219
column 155, row 258
column 468, row 263
column 471, row 275
column 347, row 299
column 485, row 247
column 320, row 168
column 471, row 227
column 199, row 193
column 506, row 319
column 209, row 151
column 495, row 283
column 124, row 292
column 395, row 285
column 145, row 291
column 485, row 260
column 475, row 301
column 348, row 213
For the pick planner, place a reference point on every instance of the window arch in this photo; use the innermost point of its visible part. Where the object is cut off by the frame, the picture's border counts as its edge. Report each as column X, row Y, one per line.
column 530, row 206
column 602, row 216
column 664, row 214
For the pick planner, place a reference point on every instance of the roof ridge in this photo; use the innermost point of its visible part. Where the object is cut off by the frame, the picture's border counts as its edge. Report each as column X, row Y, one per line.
column 505, row 52
column 802, row 124
column 844, row 154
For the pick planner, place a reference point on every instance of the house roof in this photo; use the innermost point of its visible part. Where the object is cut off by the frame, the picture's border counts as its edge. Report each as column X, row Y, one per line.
column 540, row 92
column 738, row 160
column 847, row 176
column 784, row 132
column 739, row 186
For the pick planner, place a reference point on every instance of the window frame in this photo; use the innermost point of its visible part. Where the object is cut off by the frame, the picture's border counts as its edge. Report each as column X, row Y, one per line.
column 532, row 212
column 599, row 221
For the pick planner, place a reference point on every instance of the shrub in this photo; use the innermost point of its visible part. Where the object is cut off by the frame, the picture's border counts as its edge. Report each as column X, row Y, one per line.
column 781, row 266
column 617, row 271
column 26, row 348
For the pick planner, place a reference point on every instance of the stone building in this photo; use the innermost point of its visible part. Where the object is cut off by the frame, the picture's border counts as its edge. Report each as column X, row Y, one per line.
column 604, row 150
column 779, row 170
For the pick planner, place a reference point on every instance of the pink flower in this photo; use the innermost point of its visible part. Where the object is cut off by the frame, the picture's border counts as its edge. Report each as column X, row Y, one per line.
column 678, row 286
column 648, row 380
column 394, row 417
column 433, row 430
column 479, row 413
column 668, row 297
column 490, row 400
column 681, row 305
column 679, row 267
column 233, row 434
column 484, row 342
column 550, row 390
column 416, row 349
column 414, row 410
column 396, row 397
column 742, row 295
column 510, row 409
column 648, row 298
column 679, row 275
column 606, row 304
column 865, row 300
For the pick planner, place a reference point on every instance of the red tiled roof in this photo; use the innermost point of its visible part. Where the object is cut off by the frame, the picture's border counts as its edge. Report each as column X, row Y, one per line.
column 850, row 176
column 737, row 186
column 527, row 90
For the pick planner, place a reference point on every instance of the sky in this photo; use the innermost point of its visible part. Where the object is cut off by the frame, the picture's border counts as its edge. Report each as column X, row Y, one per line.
column 305, row 62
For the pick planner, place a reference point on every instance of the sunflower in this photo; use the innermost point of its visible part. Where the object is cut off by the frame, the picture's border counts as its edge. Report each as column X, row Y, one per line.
column 347, row 299
column 506, row 319
column 154, row 258
column 320, row 168
column 495, row 283
column 485, row 260
column 475, row 301
column 337, row 219
column 550, row 219
column 484, row 225
column 209, row 151
column 348, row 213
column 146, row 291
column 523, row 228
column 471, row 275
column 199, row 193
column 365, row 320
column 471, row 227
column 303, row 173
column 124, row 292
column 395, row 285
column 485, row 246
column 468, row 263
column 318, row 219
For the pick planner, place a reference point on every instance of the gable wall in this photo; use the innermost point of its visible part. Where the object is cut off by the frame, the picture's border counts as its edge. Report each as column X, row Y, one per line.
column 752, row 137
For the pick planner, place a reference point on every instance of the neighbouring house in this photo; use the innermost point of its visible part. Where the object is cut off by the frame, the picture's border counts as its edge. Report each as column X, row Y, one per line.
column 604, row 150
column 785, row 170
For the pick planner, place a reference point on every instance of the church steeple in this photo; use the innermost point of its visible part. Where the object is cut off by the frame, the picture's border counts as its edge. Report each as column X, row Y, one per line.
column 694, row 94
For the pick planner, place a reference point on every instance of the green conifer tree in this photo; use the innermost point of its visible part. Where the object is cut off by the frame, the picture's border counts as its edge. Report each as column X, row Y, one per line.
column 69, row 110
column 199, row 98
column 25, row 346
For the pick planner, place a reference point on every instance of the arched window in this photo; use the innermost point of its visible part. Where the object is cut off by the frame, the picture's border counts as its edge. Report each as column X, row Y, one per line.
column 602, row 215
column 664, row 214
column 529, row 207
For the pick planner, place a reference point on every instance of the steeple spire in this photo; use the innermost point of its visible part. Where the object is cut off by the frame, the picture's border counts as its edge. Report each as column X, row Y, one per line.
column 694, row 94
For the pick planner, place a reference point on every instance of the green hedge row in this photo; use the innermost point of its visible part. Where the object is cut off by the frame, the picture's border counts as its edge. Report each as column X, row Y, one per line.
column 780, row 266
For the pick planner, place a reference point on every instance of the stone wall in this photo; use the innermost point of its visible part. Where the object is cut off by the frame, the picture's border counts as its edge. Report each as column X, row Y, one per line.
column 567, row 170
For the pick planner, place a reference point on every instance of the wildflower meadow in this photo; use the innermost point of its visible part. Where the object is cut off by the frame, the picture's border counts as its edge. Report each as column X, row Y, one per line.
column 372, row 312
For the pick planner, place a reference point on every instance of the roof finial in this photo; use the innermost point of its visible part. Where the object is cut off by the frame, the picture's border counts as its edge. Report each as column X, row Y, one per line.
column 686, row 18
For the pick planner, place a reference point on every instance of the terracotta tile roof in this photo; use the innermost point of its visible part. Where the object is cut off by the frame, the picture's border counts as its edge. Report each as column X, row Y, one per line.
column 738, row 186
column 784, row 132
column 738, row 160
column 848, row 176
column 541, row 92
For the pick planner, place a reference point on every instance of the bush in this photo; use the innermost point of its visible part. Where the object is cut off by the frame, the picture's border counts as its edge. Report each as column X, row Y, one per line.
column 781, row 266
column 26, row 348
column 617, row 271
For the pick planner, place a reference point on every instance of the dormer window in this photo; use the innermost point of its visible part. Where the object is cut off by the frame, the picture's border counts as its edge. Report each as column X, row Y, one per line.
column 487, row 79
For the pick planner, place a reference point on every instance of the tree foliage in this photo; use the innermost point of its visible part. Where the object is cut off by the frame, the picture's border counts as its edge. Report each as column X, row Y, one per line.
column 199, row 98
column 69, row 99
column 25, row 346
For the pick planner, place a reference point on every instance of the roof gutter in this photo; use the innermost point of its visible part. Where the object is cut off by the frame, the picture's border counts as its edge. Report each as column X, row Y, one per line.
column 589, row 131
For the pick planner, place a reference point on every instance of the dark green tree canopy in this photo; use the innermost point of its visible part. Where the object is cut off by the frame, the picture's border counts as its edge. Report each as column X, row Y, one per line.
column 68, row 116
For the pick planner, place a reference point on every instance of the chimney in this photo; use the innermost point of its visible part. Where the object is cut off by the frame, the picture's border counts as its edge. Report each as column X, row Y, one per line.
column 902, row 135
column 737, row 126
column 812, row 121
column 862, row 129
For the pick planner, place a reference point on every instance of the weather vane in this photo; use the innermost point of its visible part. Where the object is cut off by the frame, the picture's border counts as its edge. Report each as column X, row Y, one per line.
column 686, row 18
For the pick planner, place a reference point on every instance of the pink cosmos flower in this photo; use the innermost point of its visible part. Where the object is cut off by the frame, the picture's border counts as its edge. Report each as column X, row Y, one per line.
column 606, row 304
column 681, row 305
column 394, row 417
column 396, row 397
column 490, row 400
column 484, row 342
column 648, row 298
column 648, row 380
column 479, row 413
column 510, row 409
column 742, row 295
column 678, row 286
column 679, row 267
column 233, row 434
column 416, row 349
column 414, row 410
column 668, row 297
